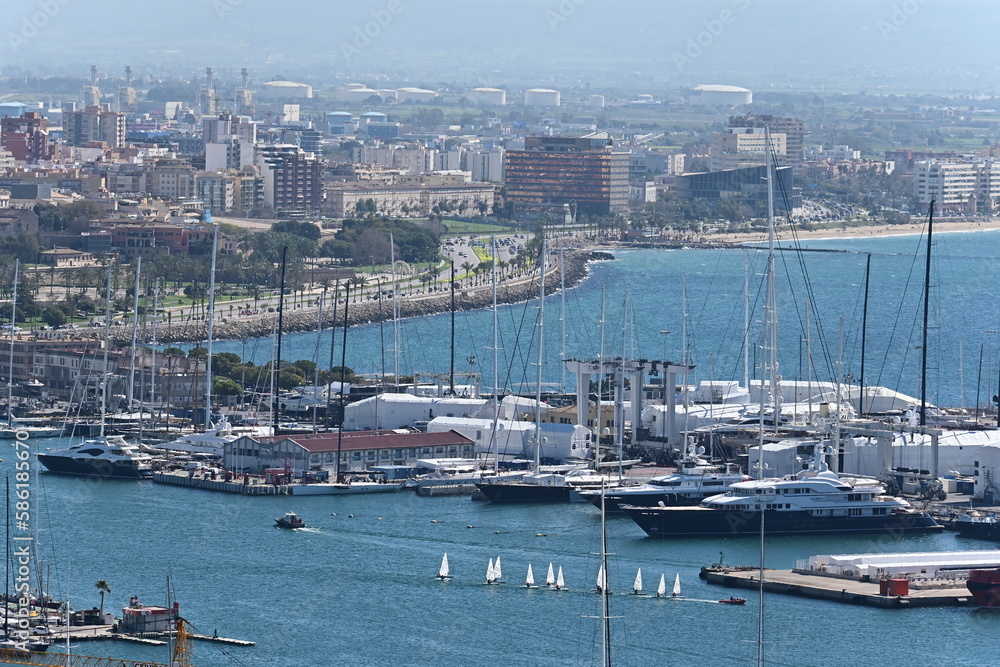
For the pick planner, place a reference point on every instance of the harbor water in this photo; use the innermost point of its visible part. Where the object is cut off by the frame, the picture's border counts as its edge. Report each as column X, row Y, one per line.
column 357, row 586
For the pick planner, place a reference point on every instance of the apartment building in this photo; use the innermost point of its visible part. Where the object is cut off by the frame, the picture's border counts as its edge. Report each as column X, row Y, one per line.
column 93, row 125
column 736, row 148
column 963, row 186
column 26, row 137
column 291, row 178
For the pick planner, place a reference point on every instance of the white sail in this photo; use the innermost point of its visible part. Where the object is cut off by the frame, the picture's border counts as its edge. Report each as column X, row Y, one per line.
column 490, row 573
column 677, row 586
column 602, row 579
column 444, row 572
column 497, row 574
column 550, row 578
column 661, row 590
column 560, row 584
column 637, row 586
column 529, row 579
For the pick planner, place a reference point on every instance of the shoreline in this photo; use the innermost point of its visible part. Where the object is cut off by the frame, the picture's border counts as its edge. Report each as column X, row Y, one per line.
column 523, row 289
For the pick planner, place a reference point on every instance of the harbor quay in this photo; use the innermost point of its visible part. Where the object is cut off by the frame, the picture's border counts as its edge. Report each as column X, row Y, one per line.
column 835, row 589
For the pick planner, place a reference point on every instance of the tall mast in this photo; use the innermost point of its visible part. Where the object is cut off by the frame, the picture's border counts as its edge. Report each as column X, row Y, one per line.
column 105, row 376
column 276, row 371
column 620, row 399
column 927, row 302
column 343, row 372
column 451, row 366
column 562, row 317
column 10, row 366
column 746, row 319
column 319, row 335
column 152, row 350
column 605, row 592
column 211, row 317
column 600, row 378
column 395, row 314
column 862, row 409
column 135, row 331
column 496, row 365
column 541, row 353
column 770, row 336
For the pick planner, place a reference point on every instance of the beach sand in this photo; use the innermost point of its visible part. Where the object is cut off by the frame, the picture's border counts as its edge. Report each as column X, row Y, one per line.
column 783, row 233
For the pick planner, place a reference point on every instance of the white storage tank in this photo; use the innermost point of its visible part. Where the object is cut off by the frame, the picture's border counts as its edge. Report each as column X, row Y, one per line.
column 596, row 101
column 488, row 97
column 713, row 95
column 357, row 95
column 541, row 97
column 388, row 94
column 340, row 122
column 416, row 95
column 274, row 90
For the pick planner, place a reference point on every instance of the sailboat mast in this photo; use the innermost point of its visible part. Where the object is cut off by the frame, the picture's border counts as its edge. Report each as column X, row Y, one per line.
column 600, row 379
column 620, row 398
column 343, row 372
column 760, row 591
column 927, row 302
column 152, row 350
column 770, row 325
column 6, row 586
column 862, row 409
column 496, row 365
column 746, row 319
column 605, row 592
column 10, row 365
column 319, row 335
column 562, row 317
column 395, row 313
column 211, row 319
column 541, row 356
column 135, row 331
column 451, row 366
column 276, row 371
column 105, row 376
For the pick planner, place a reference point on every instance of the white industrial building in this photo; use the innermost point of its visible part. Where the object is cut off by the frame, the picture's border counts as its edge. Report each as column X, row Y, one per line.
column 277, row 90
column 405, row 410
column 720, row 96
column 541, row 97
column 488, row 97
column 510, row 440
column 415, row 95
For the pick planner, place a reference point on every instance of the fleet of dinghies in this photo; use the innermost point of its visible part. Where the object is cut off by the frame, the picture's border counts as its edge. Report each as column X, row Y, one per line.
column 555, row 581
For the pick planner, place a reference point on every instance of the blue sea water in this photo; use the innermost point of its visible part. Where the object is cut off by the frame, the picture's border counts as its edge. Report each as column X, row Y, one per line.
column 820, row 298
column 360, row 590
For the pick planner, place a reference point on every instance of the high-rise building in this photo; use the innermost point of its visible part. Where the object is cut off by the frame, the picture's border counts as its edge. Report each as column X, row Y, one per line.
column 94, row 125
column 739, row 147
column 232, row 190
column 291, row 178
column 229, row 141
column 792, row 128
column 27, row 137
column 583, row 172
column 958, row 185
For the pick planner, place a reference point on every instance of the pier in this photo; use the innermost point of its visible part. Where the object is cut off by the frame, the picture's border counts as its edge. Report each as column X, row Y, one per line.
column 836, row 589
column 199, row 481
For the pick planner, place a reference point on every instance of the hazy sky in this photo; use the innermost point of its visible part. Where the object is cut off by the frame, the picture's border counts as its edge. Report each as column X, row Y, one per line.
column 802, row 44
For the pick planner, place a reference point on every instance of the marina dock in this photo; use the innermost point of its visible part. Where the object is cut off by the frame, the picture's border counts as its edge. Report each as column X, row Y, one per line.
column 836, row 589
column 199, row 481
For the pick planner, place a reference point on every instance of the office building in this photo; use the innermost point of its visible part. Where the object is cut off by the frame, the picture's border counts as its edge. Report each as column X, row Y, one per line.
column 585, row 173
column 792, row 128
column 747, row 185
column 94, row 125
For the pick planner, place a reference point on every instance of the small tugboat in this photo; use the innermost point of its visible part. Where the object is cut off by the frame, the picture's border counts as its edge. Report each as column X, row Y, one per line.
column 985, row 587
column 732, row 600
column 290, row 520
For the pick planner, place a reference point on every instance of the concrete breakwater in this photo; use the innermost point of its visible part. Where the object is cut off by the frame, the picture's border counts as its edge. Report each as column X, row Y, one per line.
column 369, row 311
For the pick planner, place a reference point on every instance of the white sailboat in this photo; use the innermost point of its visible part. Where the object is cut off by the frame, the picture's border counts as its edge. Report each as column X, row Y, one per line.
column 491, row 577
column 529, row 579
column 661, row 590
column 497, row 572
column 560, row 582
column 676, row 592
column 637, row 586
column 602, row 580
column 550, row 578
column 444, row 572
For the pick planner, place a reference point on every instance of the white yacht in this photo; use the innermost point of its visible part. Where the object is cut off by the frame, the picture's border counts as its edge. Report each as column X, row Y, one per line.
column 815, row 500
column 695, row 479
column 213, row 440
column 105, row 456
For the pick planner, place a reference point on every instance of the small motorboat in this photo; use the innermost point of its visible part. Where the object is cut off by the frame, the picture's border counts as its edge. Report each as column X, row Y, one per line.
column 732, row 600
column 290, row 520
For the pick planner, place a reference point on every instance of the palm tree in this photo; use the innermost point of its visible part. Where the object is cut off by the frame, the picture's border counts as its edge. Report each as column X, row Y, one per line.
column 102, row 587
column 467, row 267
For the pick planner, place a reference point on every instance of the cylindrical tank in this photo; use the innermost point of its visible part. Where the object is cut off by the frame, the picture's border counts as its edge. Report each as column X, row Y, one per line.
column 541, row 97
column 488, row 96
column 596, row 101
